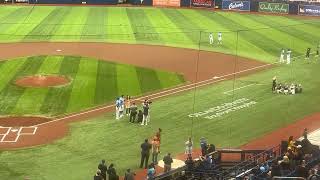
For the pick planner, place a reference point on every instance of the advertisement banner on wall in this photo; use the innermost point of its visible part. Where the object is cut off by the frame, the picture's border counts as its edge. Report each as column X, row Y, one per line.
column 274, row 7
column 174, row 3
column 309, row 10
column 236, row 5
column 202, row 3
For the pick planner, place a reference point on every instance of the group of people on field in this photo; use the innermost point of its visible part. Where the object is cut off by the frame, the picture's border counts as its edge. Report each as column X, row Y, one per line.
column 285, row 88
column 125, row 106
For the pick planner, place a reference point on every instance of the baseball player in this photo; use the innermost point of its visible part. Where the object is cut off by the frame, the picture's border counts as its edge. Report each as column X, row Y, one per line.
column 219, row 38
column 317, row 51
column 281, row 60
column 308, row 53
column 118, row 104
column 211, row 38
column 288, row 56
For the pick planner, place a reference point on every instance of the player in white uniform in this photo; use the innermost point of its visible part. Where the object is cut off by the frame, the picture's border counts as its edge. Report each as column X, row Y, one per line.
column 211, row 38
column 281, row 60
column 288, row 56
column 118, row 104
column 219, row 38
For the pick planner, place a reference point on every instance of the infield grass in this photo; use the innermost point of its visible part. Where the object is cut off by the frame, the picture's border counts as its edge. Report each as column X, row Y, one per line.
column 93, row 83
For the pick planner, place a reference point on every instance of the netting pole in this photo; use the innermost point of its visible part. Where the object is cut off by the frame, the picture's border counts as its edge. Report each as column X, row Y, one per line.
column 195, row 83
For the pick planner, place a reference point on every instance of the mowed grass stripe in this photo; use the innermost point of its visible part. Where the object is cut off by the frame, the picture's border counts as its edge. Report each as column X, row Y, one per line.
column 106, row 83
column 245, row 47
column 10, row 95
column 191, row 30
column 141, row 25
column 9, row 68
column 259, row 46
column 304, row 32
column 119, row 27
column 262, row 40
column 127, row 80
column 148, row 79
column 32, row 99
column 169, row 79
column 84, row 86
column 49, row 25
column 94, row 28
column 11, row 21
column 210, row 25
column 281, row 35
column 169, row 33
column 73, row 22
column 57, row 99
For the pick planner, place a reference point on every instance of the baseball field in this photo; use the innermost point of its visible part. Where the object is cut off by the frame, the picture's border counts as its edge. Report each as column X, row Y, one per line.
column 221, row 92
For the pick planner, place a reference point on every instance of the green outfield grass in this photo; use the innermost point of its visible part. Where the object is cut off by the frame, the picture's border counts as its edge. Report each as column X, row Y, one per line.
column 257, row 36
column 93, row 83
column 77, row 155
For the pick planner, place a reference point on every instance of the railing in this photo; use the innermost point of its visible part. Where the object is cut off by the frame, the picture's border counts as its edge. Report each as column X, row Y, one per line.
column 245, row 167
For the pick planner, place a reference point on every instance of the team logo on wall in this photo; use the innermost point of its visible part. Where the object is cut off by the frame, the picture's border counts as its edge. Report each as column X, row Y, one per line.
column 236, row 5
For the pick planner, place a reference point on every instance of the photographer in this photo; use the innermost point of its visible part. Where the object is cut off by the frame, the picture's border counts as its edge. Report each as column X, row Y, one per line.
column 146, row 112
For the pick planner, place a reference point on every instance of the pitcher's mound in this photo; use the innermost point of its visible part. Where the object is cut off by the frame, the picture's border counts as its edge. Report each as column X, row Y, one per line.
column 41, row 81
column 17, row 121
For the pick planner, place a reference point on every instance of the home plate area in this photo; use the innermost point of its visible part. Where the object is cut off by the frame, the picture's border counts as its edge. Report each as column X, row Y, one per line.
column 12, row 134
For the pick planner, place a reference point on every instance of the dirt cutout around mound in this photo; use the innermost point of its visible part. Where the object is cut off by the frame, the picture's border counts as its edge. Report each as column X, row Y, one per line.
column 42, row 81
column 200, row 68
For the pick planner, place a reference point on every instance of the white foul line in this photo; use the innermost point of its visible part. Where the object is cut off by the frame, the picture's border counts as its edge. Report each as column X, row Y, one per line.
column 228, row 92
column 180, row 90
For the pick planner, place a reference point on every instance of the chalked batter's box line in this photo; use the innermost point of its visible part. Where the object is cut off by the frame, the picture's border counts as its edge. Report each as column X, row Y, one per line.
column 12, row 135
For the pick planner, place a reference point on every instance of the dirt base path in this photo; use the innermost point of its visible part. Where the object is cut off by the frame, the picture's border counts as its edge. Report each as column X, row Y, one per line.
column 200, row 68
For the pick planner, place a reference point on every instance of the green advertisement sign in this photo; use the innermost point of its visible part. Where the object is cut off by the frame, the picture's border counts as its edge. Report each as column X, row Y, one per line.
column 273, row 7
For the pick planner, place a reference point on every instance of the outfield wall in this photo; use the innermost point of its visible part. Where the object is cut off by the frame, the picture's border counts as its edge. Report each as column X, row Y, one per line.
column 262, row 6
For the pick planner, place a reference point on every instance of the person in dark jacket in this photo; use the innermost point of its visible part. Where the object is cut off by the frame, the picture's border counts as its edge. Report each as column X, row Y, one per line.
column 103, row 169
column 140, row 116
column 167, row 162
column 112, row 173
column 145, row 152
column 302, row 171
column 133, row 112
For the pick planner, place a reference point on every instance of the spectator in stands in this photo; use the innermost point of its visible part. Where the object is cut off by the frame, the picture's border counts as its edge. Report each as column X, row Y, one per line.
column 313, row 175
column 167, row 160
column 151, row 172
column 275, row 169
column 103, row 169
column 98, row 176
column 129, row 175
column 188, row 145
column 301, row 170
column 133, row 112
column 291, row 143
column 318, row 170
column 112, row 173
column 145, row 152
column 285, row 165
column 211, row 148
column 203, row 145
